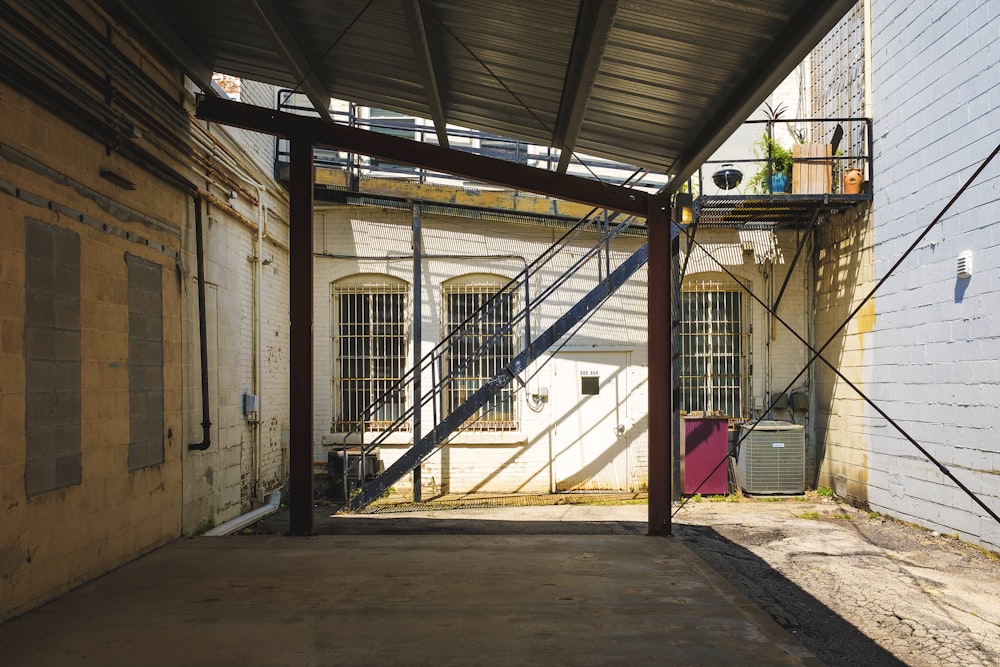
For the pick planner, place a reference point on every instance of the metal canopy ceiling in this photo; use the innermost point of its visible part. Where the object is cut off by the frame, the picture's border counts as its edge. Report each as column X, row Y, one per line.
column 651, row 83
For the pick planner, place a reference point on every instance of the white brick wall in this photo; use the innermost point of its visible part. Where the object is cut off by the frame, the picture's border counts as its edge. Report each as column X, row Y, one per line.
column 778, row 360
column 507, row 462
column 258, row 148
column 843, row 276
column 375, row 233
column 225, row 480
column 274, row 403
column 935, row 339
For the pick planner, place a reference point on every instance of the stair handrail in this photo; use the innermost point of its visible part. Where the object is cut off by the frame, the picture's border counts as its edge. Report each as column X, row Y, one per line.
column 436, row 354
column 512, row 286
column 460, row 415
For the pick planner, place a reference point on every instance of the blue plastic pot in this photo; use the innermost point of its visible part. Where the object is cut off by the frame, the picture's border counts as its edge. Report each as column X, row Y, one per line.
column 779, row 182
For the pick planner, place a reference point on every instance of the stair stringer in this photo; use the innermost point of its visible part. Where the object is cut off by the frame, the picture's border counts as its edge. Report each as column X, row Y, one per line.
column 429, row 443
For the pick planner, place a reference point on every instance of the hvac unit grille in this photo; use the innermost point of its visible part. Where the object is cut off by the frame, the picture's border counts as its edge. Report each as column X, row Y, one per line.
column 772, row 458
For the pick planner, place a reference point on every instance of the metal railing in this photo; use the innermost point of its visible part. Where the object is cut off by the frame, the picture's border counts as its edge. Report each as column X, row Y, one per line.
column 851, row 146
column 462, row 139
column 502, row 325
column 850, row 140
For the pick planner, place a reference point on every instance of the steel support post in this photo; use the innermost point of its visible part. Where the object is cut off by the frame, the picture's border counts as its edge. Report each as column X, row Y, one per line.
column 300, row 243
column 659, row 346
column 417, row 339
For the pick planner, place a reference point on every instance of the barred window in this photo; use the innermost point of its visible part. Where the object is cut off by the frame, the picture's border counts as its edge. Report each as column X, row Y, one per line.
column 369, row 345
column 715, row 345
column 481, row 349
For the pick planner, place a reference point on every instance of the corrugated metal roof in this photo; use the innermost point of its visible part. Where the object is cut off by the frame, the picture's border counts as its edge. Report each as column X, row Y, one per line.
column 652, row 83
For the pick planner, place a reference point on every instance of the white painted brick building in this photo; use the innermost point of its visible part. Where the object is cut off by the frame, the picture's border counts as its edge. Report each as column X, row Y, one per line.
column 608, row 445
column 925, row 348
column 539, row 450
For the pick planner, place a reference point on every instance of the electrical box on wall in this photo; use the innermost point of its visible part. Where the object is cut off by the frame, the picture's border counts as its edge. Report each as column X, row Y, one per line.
column 249, row 404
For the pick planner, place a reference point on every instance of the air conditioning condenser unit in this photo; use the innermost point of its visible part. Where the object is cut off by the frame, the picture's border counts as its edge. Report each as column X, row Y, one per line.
column 772, row 458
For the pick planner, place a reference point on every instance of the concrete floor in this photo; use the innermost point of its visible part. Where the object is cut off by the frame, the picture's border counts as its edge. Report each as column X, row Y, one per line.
column 566, row 585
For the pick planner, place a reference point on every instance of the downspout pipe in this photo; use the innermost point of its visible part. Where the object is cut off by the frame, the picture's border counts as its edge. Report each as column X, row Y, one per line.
column 206, row 422
column 418, row 285
column 258, row 379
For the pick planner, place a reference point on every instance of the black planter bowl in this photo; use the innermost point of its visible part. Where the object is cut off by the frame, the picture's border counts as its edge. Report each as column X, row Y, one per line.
column 728, row 177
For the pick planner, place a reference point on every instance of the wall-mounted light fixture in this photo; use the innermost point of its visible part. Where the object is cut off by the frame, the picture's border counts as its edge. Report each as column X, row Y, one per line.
column 683, row 210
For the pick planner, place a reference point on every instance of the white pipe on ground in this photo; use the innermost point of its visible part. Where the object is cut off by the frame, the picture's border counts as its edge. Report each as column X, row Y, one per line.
column 245, row 520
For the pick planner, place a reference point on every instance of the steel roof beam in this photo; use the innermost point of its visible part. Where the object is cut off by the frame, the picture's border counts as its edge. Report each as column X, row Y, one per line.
column 409, row 152
column 422, row 52
column 287, row 46
column 788, row 48
column 593, row 26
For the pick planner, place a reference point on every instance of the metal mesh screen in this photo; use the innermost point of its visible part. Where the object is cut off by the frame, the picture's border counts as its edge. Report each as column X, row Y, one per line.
column 479, row 350
column 714, row 354
column 370, row 353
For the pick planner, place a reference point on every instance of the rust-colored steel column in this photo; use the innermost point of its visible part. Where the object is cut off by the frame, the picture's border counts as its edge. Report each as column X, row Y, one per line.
column 659, row 347
column 300, row 243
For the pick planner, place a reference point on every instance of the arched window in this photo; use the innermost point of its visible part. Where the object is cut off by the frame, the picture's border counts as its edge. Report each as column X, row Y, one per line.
column 369, row 351
column 714, row 347
column 481, row 342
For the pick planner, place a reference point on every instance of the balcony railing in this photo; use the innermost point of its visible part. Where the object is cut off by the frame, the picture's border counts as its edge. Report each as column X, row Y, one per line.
column 814, row 154
column 736, row 187
column 825, row 166
column 463, row 139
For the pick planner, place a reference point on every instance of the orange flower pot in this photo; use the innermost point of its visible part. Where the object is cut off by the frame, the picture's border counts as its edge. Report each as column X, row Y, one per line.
column 852, row 181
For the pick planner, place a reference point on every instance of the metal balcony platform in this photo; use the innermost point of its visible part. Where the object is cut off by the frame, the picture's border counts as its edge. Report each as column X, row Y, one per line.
column 777, row 211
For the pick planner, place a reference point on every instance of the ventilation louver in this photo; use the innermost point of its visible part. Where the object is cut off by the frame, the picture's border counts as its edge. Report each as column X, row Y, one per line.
column 772, row 458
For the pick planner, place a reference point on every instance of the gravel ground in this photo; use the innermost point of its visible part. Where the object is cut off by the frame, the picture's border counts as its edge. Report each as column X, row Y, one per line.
column 855, row 588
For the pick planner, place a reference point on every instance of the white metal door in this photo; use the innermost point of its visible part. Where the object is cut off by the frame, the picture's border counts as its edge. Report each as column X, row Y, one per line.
column 590, row 433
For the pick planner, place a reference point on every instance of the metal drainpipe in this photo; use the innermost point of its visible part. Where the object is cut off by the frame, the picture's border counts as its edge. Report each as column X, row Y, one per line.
column 418, row 285
column 768, row 333
column 259, row 355
column 206, row 422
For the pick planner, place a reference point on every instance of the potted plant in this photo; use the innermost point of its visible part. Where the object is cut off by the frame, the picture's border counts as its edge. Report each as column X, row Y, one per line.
column 775, row 175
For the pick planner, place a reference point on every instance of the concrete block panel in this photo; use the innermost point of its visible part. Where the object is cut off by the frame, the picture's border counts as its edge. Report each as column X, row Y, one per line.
column 145, row 367
column 51, row 357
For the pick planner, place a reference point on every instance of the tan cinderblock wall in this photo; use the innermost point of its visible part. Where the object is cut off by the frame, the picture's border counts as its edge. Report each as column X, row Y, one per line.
column 50, row 171
column 56, row 540
column 845, row 274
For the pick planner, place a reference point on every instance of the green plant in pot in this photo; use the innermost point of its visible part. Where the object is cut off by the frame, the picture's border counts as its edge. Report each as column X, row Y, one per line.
column 775, row 173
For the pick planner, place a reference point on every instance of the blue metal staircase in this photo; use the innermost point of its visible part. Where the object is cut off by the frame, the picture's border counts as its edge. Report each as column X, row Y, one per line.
column 434, row 364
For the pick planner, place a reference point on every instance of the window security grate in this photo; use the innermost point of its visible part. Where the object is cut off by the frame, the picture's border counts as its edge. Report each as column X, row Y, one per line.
column 479, row 351
column 714, row 354
column 369, row 342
